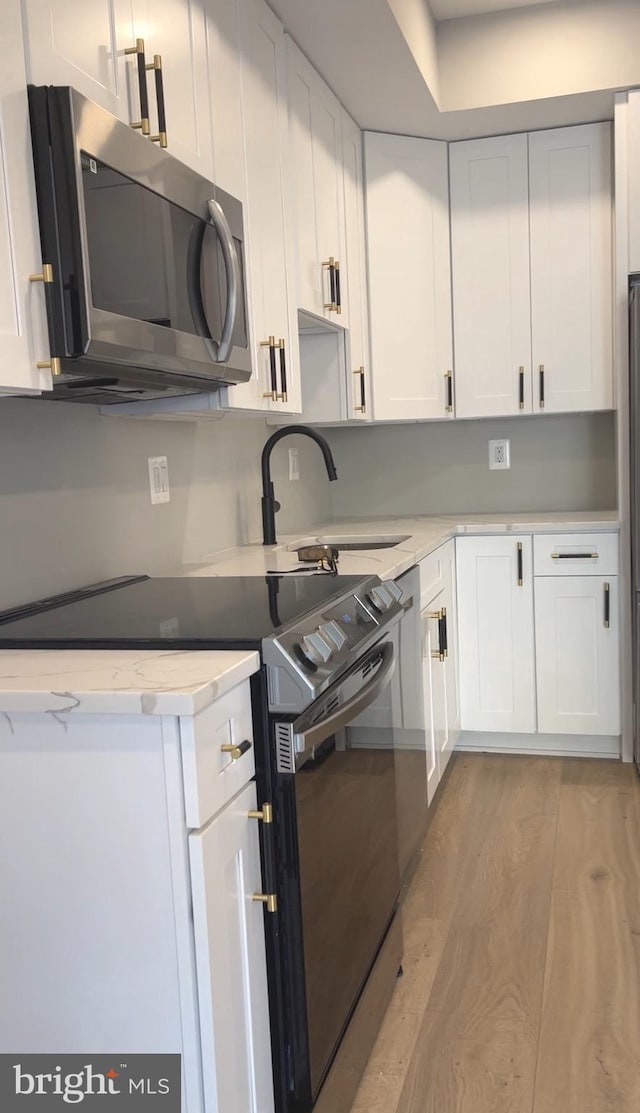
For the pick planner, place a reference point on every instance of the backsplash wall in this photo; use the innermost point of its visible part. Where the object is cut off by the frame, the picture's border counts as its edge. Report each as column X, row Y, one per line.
column 75, row 504
column 558, row 462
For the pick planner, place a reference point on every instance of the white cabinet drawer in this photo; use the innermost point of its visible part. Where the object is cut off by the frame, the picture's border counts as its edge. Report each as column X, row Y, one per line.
column 575, row 554
column 212, row 775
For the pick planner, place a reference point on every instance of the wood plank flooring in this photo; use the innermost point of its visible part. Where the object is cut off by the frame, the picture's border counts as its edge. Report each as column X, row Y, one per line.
column 521, row 986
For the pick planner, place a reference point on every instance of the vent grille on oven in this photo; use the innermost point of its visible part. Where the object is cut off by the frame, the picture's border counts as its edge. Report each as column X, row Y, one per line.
column 285, row 760
column 368, row 668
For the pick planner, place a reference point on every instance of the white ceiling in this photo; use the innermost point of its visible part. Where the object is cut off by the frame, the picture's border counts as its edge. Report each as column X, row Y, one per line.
column 457, row 9
column 359, row 48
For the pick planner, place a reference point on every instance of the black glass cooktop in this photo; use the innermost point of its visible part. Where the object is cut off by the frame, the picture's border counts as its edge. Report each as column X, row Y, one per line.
column 211, row 612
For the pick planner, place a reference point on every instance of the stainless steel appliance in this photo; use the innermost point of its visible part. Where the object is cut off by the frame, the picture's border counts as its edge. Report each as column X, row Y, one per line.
column 144, row 260
column 327, row 709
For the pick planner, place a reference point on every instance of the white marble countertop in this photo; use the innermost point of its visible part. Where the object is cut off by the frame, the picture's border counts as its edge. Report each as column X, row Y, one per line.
column 118, row 681
column 424, row 535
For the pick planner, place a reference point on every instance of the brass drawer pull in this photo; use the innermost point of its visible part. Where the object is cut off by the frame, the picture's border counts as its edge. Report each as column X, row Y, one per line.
column 236, row 749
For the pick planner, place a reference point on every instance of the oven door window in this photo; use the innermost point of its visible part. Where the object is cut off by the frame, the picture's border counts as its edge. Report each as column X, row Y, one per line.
column 348, row 865
column 153, row 261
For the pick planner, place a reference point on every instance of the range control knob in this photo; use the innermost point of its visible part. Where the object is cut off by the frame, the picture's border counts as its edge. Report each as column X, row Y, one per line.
column 315, row 648
column 380, row 598
column 395, row 592
column 332, row 633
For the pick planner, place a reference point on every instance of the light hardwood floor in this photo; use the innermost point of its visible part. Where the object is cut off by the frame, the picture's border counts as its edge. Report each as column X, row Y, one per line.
column 521, row 986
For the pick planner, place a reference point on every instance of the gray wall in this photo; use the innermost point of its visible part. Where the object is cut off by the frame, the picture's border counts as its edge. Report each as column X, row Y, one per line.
column 557, row 463
column 74, row 493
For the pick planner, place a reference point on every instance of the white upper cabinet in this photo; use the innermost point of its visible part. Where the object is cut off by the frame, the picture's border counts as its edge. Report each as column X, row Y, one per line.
column 85, row 43
column 490, row 259
column 275, row 384
column 355, row 276
column 23, row 326
column 82, row 43
column 225, row 84
column 577, row 655
column 571, row 267
column 407, row 214
column 531, row 227
column 496, row 634
column 175, row 31
column 315, row 119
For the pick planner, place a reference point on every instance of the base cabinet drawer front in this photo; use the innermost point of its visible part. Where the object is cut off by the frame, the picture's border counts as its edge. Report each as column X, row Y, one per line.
column 496, row 633
column 577, row 655
column 217, row 754
column 575, row 554
column 230, row 961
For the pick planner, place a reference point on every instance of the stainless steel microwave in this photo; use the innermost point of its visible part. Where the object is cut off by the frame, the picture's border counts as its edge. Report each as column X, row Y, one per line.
column 145, row 288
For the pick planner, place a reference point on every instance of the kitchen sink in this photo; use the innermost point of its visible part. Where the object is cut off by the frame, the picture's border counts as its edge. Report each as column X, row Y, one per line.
column 356, row 543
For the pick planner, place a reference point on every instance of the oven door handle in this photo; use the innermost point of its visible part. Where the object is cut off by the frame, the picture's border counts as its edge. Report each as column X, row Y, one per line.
column 229, row 254
column 307, row 738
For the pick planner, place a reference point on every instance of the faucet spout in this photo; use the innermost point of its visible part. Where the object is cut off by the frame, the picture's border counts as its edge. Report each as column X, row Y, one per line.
column 269, row 504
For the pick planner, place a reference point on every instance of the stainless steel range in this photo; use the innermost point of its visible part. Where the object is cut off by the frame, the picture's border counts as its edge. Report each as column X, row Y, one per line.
column 328, row 714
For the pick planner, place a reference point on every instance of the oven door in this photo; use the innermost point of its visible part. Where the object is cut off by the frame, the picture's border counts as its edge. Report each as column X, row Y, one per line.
column 149, row 256
column 340, row 885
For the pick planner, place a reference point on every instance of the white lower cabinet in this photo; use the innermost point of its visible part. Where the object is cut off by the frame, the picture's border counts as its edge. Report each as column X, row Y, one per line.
column 540, row 641
column 230, row 960
column 141, row 821
column 439, row 662
column 577, row 655
column 496, row 634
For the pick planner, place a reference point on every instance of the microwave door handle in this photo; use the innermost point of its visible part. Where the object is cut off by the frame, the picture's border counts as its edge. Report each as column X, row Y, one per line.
column 232, row 269
column 305, row 740
column 194, row 289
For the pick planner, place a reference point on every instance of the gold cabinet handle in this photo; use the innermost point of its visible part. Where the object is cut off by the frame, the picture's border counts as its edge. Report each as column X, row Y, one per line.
column 271, row 345
column 282, row 348
column 52, row 365
column 440, row 618
column 142, row 124
column 45, row 275
column 333, row 268
column 449, row 385
column 362, row 408
column 270, row 899
column 236, row 749
column 156, row 66
column 265, row 814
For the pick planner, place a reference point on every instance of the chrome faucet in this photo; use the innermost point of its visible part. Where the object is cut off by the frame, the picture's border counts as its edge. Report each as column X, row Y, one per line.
column 269, row 504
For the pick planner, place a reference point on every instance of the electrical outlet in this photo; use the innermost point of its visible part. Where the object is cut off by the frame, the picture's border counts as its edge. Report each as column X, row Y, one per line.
column 159, row 479
column 294, row 464
column 499, row 455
